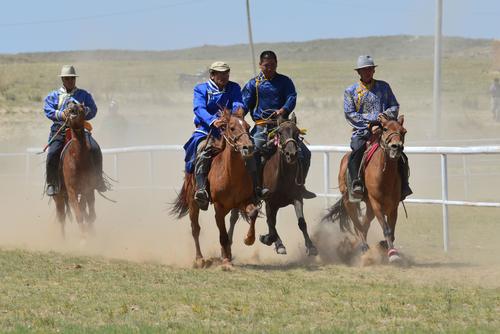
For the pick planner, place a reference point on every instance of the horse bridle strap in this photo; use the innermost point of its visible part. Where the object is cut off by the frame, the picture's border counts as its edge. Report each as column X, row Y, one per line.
column 232, row 141
column 385, row 143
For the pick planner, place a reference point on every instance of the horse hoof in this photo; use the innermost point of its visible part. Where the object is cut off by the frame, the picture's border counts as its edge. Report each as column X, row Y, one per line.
column 281, row 250
column 312, row 251
column 394, row 256
column 383, row 244
column 227, row 265
column 249, row 241
column 266, row 240
column 364, row 248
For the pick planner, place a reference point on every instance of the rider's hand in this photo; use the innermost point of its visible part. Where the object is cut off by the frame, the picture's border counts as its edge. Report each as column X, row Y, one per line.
column 280, row 112
column 376, row 129
column 64, row 114
column 218, row 123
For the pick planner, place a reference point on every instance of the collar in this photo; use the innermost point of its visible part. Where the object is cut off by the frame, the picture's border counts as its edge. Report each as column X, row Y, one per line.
column 63, row 90
column 214, row 89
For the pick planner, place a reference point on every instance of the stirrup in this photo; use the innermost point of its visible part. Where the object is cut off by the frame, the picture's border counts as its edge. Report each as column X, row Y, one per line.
column 52, row 190
column 306, row 194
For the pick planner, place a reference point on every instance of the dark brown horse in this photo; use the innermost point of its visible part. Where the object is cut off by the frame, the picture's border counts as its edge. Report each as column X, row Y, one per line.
column 283, row 176
column 383, row 189
column 76, row 173
column 231, row 187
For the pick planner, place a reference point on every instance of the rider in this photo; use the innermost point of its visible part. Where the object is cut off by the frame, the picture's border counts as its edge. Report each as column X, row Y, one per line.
column 209, row 98
column 364, row 102
column 55, row 105
column 268, row 95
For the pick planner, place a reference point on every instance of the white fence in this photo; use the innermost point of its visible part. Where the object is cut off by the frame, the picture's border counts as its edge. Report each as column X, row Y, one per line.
column 326, row 151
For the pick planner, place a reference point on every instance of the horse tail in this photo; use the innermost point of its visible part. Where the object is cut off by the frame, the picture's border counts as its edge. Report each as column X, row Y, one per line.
column 180, row 207
column 338, row 212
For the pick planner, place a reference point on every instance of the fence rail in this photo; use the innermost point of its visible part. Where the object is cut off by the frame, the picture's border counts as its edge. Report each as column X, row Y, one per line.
column 326, row 151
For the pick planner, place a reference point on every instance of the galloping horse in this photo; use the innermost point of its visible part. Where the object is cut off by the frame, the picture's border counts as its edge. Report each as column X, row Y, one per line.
column 231, row 187
column 283, row 176
column 76, row 173
column 383, row 189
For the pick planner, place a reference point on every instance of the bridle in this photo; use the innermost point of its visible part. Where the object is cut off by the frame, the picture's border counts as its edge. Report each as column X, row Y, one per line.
column 233, row 140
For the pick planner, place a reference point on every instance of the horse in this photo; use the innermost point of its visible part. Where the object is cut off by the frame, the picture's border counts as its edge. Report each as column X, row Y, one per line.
column 283, row 176
column 76, row 174
column 231, row 188
column 382, row 189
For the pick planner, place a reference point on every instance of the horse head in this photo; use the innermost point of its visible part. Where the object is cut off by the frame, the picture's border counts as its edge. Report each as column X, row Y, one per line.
column 75, row 115
column 393, row 136
column 287, row 134
column 236, row 132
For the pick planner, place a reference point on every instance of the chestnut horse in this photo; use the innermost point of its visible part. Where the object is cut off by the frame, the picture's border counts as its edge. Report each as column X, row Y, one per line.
column 382, row 189
column 283, row 176
column 231, row 187
column 76, row 173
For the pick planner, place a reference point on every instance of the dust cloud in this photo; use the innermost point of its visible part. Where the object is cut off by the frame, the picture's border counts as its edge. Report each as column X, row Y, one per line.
column 139, row 228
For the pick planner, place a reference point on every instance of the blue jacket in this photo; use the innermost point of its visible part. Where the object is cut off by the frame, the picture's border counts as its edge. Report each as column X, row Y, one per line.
column 56, row 102
column 362, row 107
column 277, row 93
column 208, row 100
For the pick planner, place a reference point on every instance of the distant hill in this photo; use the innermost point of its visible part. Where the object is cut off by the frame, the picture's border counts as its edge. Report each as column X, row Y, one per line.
column 387, row 47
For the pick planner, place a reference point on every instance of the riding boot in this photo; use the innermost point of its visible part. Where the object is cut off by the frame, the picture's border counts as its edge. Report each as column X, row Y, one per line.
column 353, row 166
column 52, row 172
column 306, row 194
column 100, row 183
column 404, row 170
column 253, row 168
column 201, row 173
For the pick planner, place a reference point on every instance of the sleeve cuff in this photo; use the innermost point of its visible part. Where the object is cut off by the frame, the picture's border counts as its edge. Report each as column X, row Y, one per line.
column 59, row 115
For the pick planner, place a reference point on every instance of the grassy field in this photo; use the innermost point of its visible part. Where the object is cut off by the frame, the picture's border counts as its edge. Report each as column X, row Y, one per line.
column 49, row 292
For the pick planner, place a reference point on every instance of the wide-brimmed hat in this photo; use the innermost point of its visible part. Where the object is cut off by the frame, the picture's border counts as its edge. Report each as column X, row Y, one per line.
column 68, row 71
column 365, row 61
column 219, row 66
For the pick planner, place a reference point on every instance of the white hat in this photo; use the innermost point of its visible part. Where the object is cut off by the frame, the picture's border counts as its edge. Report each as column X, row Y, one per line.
column 365, row 61
column 219, row 66
column 68, row 71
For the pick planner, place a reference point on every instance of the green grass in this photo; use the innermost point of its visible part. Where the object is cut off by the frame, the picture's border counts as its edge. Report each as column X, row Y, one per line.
column 49, row 292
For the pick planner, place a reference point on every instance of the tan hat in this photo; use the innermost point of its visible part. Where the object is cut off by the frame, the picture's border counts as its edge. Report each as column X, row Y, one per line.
column 219, row 66
column 68, row 71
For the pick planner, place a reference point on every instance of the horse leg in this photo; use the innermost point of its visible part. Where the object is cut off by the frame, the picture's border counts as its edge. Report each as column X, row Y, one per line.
column 388, row 235
column 61, row 211
column 91, row 216
column 360, row 228
column 392, row 217
column 311, row 250
column 220, row 214
column 252, row 212
column 75, row 205
column 194, row 213
column 272, row 235
column 279, row 247
column 235, row 214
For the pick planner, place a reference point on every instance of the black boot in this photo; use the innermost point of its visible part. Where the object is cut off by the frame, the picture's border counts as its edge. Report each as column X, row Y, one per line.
column 52, row 175
column 306, row 194
column 257, row 177
column 201, row 173
column 100, row 183
column 353, row 166
column 404, row 170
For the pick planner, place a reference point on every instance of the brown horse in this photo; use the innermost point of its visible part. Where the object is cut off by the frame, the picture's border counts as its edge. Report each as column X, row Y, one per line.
column 231, row 187
column 76, row 173
column 383, row 189
column 283, row 176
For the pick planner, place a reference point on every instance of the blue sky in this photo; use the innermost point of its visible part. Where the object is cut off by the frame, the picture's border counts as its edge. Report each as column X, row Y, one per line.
column 27, row 26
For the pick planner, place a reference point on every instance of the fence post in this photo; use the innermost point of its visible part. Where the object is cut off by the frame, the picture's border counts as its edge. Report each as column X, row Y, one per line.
column 444, row 193
column 27, row 169
column 466, row 177
column 326, row 177
column 150, row 169
column 115, row 166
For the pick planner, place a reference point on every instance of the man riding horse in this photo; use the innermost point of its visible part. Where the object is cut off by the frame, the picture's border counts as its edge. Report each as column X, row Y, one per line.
column 364, row 102
column 55, row 109
column 268, row 96
column 210, row 98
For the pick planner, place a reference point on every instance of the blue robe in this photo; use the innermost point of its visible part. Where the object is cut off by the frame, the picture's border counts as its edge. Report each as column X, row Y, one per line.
column 362, row 107
column 208, row 102
column 277, row 93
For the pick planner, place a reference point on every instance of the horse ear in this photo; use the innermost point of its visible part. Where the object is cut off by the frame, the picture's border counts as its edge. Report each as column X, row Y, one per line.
column 294, row 118
column 226, row 114
column 280, row 119
column 240, row 113
column 401, row 119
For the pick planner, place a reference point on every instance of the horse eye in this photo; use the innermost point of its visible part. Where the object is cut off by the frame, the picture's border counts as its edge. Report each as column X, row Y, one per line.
column 232, row 129
column 385, row 129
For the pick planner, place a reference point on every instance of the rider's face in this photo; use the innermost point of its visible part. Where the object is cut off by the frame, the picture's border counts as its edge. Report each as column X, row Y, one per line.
column 220, row 78
column 69, row 83
column 366, row 74
column 268, row 67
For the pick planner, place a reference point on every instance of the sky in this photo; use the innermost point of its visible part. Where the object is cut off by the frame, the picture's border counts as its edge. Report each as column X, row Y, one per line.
column 33, row 25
